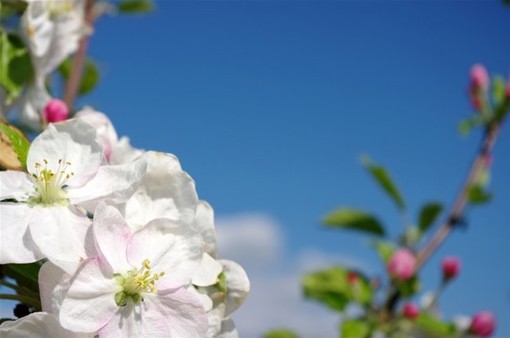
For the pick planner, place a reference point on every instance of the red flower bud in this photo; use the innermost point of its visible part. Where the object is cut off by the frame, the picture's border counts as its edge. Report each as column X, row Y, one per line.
column 479, row 77
column 402, row 264
column 483, row 324
column 450, row 267
column 410, row 310
column 55, row 111
column 352, row 277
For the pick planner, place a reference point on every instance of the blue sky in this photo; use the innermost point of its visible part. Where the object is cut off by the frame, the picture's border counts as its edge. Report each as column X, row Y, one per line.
column 269, row 104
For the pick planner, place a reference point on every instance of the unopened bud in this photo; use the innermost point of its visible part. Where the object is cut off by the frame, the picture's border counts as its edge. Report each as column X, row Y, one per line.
column 352, row 277
column 483, row 324
column 479, row 77
column 402, row 264
column 55, row 111
column 410, row 310
column 450, row 267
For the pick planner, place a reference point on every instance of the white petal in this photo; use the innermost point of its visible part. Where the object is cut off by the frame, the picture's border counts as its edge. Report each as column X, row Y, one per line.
column 112, row 235
column 61, row 235
column 53, row 285
column 208, row 271
column 37, row 28
column 16, row 243
column 123, row 152
column 106, row 134
column 38, row 325
column 238, row 285
column 171, row 248
column 204, row 221
column 215, row 318
column 90, row 301
column 16, row 185
column 114, row 183
column 31, row 103
column 72, row 141
column 228, row 329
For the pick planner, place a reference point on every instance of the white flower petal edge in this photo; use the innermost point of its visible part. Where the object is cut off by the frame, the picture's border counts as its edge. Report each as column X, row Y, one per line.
column 16, row 185
column 38, row 325
column 228, row 329
column 53, row 285
column 238, row 285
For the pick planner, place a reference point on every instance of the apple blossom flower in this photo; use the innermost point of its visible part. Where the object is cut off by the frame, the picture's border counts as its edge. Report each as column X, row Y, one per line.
column 116, row 150
column 450, row 267
column 38, row 325
column 402, row 264
column 483, row 324
column 136, row 287
column 63, row 172
column 55, row 111
column 410, row 310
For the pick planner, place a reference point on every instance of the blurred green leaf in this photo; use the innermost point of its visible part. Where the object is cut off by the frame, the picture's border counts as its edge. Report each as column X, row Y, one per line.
column 354, row 219
column 384, row 180
column 25, row 275
column 15, row 65
column 434, row 326
column 384, row 249
column 498, row 89
column 466, row 125
column 19, row 143
column 280, row 333
column 428, row 215
column 135, row 6
column 477, row 195
column 352, row 328
column 90, row 76
column 410, row 287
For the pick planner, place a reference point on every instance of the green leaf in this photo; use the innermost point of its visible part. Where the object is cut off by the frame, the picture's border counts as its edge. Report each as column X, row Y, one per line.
column 410, row 287
column 356, row 220
column 328, row 287
column 434, row 326
column 498, row 89
column 15, row 65
column 25, row 275
column 466, row 125
column 90, row 76
column 428, row 215
column 384, row 180
column 352, row 328
column 19, row 143
column 135, row 6
column 384, row 250
column 280, row 333
column 477, row 195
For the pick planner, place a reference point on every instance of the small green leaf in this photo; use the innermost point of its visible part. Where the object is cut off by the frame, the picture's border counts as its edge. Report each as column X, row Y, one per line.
column 428, row 215
column 410, row 287
column 384, row 250
column 434, row 326
column 280, row 333
column 19, row 143
column 477, row 195
column 498, row 89
column 466, row 125
column 328, row 287
column 356, row 220
column 353, row 328
column 135, row 6
column 384, row 180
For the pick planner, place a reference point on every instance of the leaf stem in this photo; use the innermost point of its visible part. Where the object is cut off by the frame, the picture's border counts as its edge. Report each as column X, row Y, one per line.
column 73, row 83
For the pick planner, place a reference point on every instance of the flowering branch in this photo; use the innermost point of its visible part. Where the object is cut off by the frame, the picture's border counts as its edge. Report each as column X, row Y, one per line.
column 78, row 62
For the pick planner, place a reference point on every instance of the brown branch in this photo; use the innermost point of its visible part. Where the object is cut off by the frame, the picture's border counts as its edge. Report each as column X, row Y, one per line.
column 73, row 83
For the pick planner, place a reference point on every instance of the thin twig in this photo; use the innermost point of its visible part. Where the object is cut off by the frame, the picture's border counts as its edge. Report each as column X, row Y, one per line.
column 73, row 83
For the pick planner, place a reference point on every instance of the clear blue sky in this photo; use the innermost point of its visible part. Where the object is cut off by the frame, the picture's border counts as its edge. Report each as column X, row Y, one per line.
column 268, row 105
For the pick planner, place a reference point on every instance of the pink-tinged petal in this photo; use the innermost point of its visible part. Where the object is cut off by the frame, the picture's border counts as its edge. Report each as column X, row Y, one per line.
column 166, row 192
column 228, row 329
column 238, row 285
column 208, row 271
column 126, row 322
column 38, row 325
column 115, row 183
column 72, row 141
column 112, row 235
column 16, row 243
column 53, row 285
column 61, row 235
column 90, row 301
column 106, row 134
column 16, row 185
column 204, row 221
column 171, row 248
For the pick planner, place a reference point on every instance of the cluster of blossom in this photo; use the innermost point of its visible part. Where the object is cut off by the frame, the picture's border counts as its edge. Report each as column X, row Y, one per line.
column 129, row 250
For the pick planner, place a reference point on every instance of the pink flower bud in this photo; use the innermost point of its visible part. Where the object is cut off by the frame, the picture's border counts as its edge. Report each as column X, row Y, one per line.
column 479, row 77
column 402, row 264
column 410, row 310
column 483, row 324
column 55, row 111
column 450, row 267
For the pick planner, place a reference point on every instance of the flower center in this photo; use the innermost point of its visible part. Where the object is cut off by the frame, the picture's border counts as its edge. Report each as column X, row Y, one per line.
column 135, row 282
column 50, row 185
